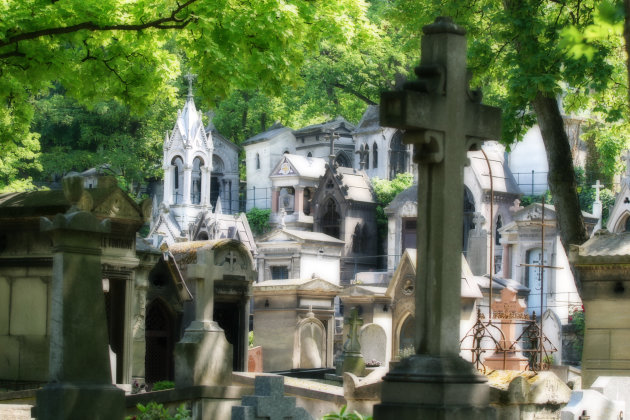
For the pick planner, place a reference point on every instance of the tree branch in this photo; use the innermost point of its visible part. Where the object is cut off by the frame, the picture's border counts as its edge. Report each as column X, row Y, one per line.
column 170, row 22
column 355, row 93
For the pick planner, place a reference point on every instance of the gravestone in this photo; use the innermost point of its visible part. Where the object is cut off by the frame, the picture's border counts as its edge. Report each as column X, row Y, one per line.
column 269, row 402
column 203, row 356
column 310, row 342
column 443, row 119
column 373, row 340
column 80, row 381
column 508, row 309
column 352, row 358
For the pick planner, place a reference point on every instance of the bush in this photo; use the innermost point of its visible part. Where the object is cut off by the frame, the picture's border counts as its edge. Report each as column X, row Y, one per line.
column 162, row 385
column 155, row 411
column 258, row 220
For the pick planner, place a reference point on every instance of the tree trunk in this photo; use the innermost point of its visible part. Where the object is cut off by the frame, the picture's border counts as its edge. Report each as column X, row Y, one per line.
column 561, row 178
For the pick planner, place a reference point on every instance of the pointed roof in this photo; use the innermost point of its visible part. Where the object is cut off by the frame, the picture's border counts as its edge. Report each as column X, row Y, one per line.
column 189, row 126
column 370, row 121
column 275, row 130
column 328, row 126
column 502, row 178
column 290, row 235
column 312, row 284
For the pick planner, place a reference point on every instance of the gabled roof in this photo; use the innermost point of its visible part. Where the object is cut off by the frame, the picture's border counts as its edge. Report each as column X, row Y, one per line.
column 327, row 126
column 361, row 290
column 300, row 166
column 603, row 247
column 370, row 120
column 301, row 236
column 107, row 200
column 189, row 126
column 274, row 131
column 533, row 212
column 354, row 185
column 410, row 194
column 308, row 284
column 502, row 179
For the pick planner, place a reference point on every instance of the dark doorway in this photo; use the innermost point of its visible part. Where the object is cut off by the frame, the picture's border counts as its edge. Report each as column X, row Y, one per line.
column 409, row 234
column 115, row 310
column 228, row 316
column 214, row 190
column 158, row 359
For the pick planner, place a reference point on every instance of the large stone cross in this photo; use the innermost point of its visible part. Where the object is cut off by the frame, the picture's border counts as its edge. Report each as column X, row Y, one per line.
column 201, row 271
column 443, row 119
column 331, row 157
column 353, row 345
column 190, row 77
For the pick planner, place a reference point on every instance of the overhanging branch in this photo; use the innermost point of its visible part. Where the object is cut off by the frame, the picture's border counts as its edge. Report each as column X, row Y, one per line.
column 168, row 22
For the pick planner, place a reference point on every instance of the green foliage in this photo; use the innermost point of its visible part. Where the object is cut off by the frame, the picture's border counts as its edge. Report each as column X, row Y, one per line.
column 250, row 339
column 162, row 385
column 343, row 415
column 155, row 411
column 97, row 51
column 576, row 318
column 385, row 192
column 258, row 220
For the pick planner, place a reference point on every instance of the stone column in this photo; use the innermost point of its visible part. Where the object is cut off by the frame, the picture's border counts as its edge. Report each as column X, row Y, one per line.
column 443, row 119
column 274, row 200
column 205, row 186
column 299, row 200
column 168, row 184
column 79, row 370
column 203, row 356
column 187, row 183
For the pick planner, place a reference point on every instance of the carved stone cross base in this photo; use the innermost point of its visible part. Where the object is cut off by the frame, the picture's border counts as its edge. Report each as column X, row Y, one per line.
column 203, row 356
column 431, row 387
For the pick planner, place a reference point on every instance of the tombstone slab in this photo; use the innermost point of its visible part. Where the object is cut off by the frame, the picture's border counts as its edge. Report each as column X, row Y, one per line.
column 443, row 119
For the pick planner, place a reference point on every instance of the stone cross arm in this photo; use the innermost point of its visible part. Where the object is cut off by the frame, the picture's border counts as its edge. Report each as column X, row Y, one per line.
column 202, row 272
column 412, row 110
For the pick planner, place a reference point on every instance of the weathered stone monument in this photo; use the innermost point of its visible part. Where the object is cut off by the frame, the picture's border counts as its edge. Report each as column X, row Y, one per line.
column 508, row 309
column 443, row 119
column 80, row 381
column 352, row 358
column 269, row 402
column 203, row 356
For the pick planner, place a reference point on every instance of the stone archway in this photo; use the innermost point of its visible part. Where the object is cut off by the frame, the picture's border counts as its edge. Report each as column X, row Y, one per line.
column 310, row 344
column 405, row 335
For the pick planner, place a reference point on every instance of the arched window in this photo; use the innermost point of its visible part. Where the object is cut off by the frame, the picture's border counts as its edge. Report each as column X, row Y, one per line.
column 367, row 157
column 257, row 161
column 627, row 225
column 178, row 179
column 398, row 156
column 497, row 235
column 195, row 191
column 330, row 219
column 469, row 213
column 342, row 160
column 356, row 239
column 374, row 156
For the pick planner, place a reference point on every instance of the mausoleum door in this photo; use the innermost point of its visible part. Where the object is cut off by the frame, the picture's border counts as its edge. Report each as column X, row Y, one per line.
column 228, row 316
column 158, row 360
column 536, row 275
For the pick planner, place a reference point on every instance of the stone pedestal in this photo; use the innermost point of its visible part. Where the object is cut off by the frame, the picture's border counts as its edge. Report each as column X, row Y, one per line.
column 203, row 356
column 426, row 387
column 79, row 370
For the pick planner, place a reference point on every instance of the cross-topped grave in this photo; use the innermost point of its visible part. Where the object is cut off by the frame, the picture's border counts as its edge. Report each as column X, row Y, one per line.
column 352, row 358
column 331, row 156
column 230, row 258
column 203, row 356
column 443, row 119
column 190, row 77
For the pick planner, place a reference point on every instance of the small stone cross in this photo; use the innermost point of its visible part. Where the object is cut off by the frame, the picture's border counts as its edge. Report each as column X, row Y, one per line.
column 331, row 157
column 597, row 187
column 201, row 271
column 352, row 345
column 443, row 119
column 190, row 77
column 230, row 258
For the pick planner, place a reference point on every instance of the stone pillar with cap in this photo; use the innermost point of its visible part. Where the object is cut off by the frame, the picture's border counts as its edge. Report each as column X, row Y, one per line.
column 443, row 119
column 80, row 380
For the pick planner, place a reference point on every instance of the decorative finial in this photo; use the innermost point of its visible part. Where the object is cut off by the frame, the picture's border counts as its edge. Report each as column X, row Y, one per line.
column 190, row 77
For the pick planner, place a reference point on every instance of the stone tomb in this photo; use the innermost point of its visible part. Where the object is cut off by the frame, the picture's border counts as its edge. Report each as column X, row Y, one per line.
column 602, row 266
